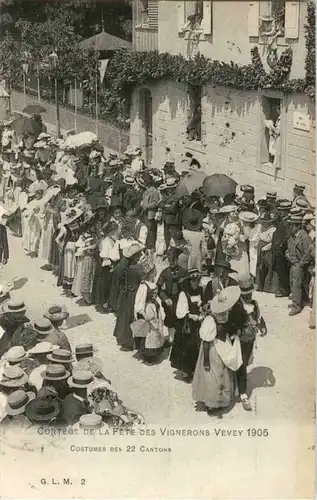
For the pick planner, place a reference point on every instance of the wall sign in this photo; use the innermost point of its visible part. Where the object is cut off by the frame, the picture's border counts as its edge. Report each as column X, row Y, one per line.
column 301, row 121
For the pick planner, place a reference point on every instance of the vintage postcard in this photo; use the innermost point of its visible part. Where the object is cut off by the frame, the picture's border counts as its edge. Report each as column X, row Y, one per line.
column 157, row 249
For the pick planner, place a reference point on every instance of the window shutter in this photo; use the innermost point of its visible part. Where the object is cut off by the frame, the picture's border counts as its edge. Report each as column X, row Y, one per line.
column 153, row 14
column 207, row 20
column 253, row 19
column 181, row 15
column 291, row 19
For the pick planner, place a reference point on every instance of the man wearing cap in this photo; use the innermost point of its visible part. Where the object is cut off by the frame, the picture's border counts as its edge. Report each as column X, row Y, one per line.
column 46, row 332
column 279, row 247
column 299, row 256
column 298, row 194
column 76, row 404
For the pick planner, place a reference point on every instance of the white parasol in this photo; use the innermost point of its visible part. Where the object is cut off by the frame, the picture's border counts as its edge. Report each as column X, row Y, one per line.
column 80, row 140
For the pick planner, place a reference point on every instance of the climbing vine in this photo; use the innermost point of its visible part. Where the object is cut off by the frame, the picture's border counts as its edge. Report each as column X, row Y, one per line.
column 310, row 60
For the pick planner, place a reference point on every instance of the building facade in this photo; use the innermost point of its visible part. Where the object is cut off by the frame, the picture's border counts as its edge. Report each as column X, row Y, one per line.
column 263, row 137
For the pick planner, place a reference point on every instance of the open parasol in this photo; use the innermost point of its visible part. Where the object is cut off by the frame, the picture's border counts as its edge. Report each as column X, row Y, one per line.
column 26, row 125
column 34, row 109
column 219, row 185
column 193, row 180
column 81, row 140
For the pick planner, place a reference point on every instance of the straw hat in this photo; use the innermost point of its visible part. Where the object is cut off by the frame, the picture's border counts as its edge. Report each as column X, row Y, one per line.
column 16, row 354
column 170, row 183
column 248, row 217
column 43, row 326
column 42, row 410
column 60, row 356
column 55, row 372
column 133, row 249
column 13, row 376
column 129, row 179
column 81, row 379
column 299, row 187
column 132, row 151
column 56, row 313
column 90, row 421
column 193, row 273
column 17, row 401
column 295, row 219
column 225, row 299
column 227, row 209
column 13, row 306
column 71, row 215
column 43, row 348
column 43, row 135
column 85, row 349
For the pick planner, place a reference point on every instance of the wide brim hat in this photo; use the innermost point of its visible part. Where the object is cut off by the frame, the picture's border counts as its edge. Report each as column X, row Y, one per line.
column 13, row 306
column 248, row 216
column 132, row 151
column 32, row 408
column 300, row 187
column 11, row 358
column 192, row 219
column 45, row 330
column 227, row 209
column 41, row 145
column 224, row 265
column 61, row 356
column 133, row 249
column 85, row 349
column 14, row 382
column 170, row 183
column 47, row 376
column 43, row 348
column 81, row 379
column 44, row 135
column 56, row 313
column 129, row 180
column 268, row 217
column 192, row 273
column 247, row 188
column 13, row 412
column 71, row 215
column 295, row 219
column 144, row 178
column 225, row 299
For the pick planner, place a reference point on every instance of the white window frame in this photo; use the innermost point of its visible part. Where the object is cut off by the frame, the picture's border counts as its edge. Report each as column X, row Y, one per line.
column 264, row 166
column 291, row 23
column 194, row 145
column 206, row 24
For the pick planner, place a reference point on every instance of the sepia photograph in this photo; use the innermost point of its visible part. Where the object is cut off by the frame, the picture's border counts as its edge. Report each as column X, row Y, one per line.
column 157, row 249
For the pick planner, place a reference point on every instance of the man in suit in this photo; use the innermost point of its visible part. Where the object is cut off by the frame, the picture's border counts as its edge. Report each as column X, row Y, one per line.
column 279, row 247
column 75, row 404
column 299, row 256
column 4, row 246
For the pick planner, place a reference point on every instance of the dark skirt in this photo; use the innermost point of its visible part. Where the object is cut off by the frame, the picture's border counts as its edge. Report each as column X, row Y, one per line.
column 102, row 284
column 147, row 354
column 55, row 253
column 170, row 313
column 125, row 317
column 116, row 291
column 14, row 222
column 185, row 349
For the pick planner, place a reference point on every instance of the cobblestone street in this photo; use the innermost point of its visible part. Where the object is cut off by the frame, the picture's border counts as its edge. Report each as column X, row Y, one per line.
column 284, row 358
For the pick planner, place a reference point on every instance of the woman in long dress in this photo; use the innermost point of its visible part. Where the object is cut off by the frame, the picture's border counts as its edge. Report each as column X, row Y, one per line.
column 185, row 348
column 219, row 355
column 234, row 244
column 33, row 223
column 148, row 308
column 129, row 284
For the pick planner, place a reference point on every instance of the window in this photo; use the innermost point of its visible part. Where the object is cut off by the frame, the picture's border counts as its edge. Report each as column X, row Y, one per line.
column 272, row 20
column 144, row 12
column 195, row 15
column 271, row 132
column 195, row 114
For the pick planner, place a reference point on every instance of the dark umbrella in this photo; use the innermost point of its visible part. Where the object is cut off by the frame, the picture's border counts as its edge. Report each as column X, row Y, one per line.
column 189, row 183
column 26, row 125
column 219, row 185
column 34, row 109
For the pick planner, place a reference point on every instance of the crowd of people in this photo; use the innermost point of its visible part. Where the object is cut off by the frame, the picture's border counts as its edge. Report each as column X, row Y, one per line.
column 177, row 267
